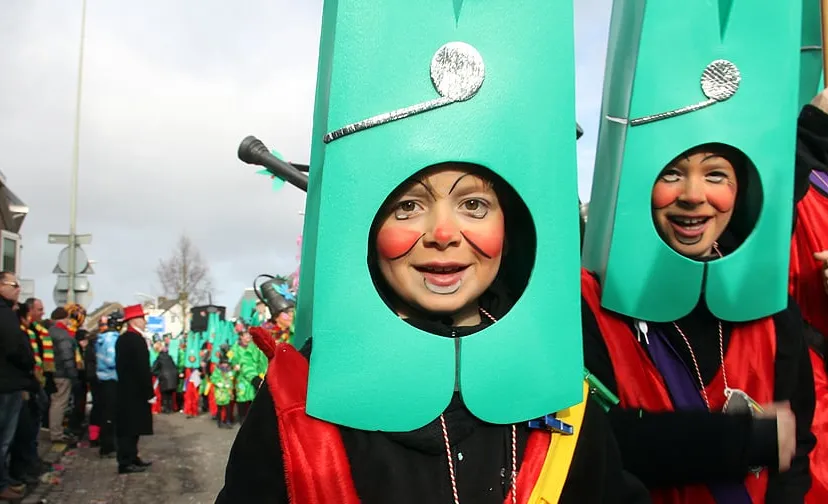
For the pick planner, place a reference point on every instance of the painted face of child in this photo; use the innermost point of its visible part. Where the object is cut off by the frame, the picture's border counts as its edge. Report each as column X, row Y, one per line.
column 693, row 202
column 285, row 318
column 440, row 244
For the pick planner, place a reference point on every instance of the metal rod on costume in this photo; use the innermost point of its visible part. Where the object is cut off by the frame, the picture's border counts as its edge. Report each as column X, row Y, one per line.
column 825, row 39
column 253, row 151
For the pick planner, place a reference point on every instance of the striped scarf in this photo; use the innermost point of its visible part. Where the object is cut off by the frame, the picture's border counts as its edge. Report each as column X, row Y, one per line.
column 38, row 366
column 47, row 349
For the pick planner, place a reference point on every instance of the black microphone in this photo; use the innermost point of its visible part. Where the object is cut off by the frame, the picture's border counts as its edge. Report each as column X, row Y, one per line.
column 253, row 151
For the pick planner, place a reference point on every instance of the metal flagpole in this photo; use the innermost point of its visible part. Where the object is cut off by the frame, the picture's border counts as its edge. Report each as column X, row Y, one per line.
column 73, row 194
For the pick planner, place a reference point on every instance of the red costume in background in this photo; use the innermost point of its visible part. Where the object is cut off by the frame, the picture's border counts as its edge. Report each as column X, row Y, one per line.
column 806, row 286
column 641, row 385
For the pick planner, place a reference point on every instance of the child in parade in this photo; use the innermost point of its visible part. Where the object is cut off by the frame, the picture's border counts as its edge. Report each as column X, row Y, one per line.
column 250, row 365
column 686, row 314
column 446, row 233
column 222, row 380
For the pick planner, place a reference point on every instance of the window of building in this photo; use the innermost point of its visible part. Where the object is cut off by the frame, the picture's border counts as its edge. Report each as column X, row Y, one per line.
column 9, row 251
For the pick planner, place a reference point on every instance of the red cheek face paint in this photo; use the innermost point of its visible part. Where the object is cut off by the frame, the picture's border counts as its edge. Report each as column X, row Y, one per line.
column 394, row 242
column 722, row 197
column 665, row 194
column 488, row 241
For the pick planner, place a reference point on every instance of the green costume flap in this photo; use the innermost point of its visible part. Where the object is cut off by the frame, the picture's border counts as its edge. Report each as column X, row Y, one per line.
column 811, row 83
column 484, row 82
column 733, row 79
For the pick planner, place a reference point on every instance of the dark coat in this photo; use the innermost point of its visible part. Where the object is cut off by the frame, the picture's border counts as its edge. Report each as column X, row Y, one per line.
column 134, row 414
column 90, row 360
column 16, row 356
column 166, row 371
column 64, row 348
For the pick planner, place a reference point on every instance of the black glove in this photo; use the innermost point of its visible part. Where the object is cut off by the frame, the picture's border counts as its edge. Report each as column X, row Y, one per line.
column 257, row 382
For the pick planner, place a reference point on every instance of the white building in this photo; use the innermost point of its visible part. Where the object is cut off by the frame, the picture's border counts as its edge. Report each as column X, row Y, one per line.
column 12, row 213
column 169, row 311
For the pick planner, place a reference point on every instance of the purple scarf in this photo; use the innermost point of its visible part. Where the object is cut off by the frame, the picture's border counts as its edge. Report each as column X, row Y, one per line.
column 681, row 383
column 820, row 180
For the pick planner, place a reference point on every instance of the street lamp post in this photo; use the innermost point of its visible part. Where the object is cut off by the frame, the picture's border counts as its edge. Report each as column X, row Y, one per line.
column 73, row 191
column 147, row 296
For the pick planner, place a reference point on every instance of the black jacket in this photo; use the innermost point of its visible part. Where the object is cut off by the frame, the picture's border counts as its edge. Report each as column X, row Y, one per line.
column 166, row 371
column 706, row 447
column 90, row 360
column 412, row 467
column 133, row 411
column 64, row 348
column 16, row 355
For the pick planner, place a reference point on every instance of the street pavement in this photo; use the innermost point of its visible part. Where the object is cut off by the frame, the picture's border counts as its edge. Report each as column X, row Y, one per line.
column 189, row 457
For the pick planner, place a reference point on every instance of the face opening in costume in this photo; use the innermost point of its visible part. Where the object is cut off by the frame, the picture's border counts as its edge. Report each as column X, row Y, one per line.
column 695, row 196
column 440, row 239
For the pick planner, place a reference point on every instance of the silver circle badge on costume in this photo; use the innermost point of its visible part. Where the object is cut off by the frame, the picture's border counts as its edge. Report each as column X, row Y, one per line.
column 457, row 73
column 720, row 80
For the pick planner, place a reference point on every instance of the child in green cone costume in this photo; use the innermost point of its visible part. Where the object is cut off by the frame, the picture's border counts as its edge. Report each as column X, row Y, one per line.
column 250, row 365
column 222, row 380
column 438, row 371
column 686, row 314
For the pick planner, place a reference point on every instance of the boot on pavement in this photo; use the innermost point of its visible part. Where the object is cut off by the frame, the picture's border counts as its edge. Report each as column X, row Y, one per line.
column 9, row 494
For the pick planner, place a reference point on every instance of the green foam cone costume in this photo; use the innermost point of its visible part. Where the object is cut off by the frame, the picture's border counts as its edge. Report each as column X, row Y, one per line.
column 470, row 81
column 812, row 80
column 732, row 79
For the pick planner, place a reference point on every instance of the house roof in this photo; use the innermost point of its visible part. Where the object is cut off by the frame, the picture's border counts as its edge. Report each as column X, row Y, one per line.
column 14, row 210
column 106, row 308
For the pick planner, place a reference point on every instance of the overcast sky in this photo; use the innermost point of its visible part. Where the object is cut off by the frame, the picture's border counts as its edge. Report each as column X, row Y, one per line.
column 169, row 90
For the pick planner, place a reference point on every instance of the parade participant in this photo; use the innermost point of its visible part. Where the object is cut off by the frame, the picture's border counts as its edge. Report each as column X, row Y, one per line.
column 108, row 381
column 192, row 376
column 181, row 366
column 281, row 311
column 135, row 392
column 686, row 316
column 208, row 398
column 222, row 380
column 451, row 390
column 809, row 247
column 250, row 365
column 166, row 374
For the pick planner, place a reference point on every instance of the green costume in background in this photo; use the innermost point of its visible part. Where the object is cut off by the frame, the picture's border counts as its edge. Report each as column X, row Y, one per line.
column 222, row 382
column 249, row 363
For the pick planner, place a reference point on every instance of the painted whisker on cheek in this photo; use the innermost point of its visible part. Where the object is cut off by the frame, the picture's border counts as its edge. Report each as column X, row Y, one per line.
column 395, row 243
column 488, row 246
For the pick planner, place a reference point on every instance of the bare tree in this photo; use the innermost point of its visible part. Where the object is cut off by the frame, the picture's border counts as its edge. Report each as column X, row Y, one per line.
column 184, row 276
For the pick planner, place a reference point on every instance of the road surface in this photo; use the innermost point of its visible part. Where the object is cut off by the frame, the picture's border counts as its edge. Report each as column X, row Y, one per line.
column 189, row 456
